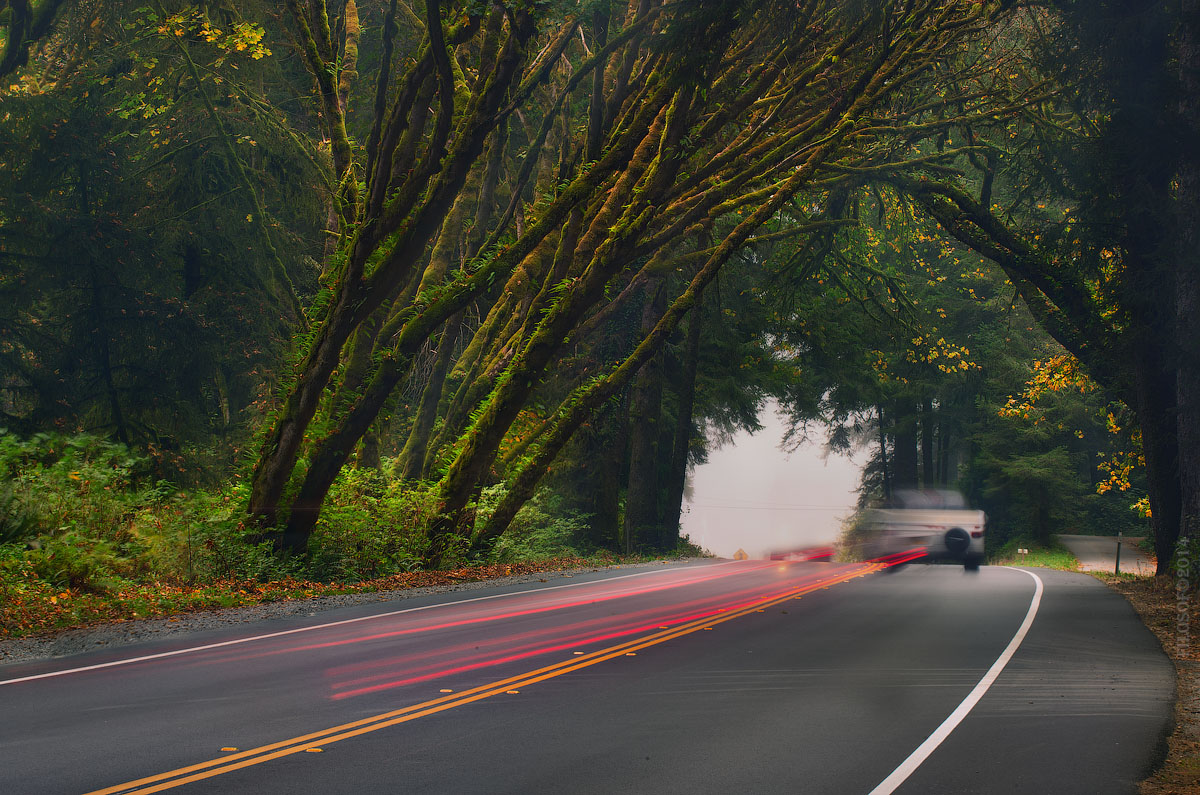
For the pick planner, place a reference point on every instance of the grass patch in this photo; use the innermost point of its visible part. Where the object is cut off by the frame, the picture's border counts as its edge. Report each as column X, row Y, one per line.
column 1052, row 555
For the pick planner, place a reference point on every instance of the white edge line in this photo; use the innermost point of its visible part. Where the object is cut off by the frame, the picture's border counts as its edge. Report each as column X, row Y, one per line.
column 326, row 625
column 917, row 757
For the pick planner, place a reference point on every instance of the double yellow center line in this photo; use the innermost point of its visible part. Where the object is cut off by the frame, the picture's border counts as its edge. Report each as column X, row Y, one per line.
column 265, row 753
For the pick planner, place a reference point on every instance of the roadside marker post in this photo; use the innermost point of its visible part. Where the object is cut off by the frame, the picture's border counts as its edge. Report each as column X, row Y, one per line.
column 1117, row 568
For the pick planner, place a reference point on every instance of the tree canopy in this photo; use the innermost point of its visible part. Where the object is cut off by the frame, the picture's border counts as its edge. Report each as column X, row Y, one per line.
column 507, row 256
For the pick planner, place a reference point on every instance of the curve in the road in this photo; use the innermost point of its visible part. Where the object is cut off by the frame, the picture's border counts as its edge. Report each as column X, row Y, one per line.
column 923, row 751
column 539, row 693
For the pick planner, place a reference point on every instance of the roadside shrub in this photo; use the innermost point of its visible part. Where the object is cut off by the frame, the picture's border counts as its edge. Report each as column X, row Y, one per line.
column 543, row 528
column 686, row 548
column 59, row 483
column 855, row 536
column 75, row 561
column 370, row 527
column 201, row 537
column 28, row 600
column 95, row 521
column 17, row 522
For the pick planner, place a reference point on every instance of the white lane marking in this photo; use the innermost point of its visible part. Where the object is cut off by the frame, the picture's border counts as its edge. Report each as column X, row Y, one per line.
column 914, row 760
column 326, row 625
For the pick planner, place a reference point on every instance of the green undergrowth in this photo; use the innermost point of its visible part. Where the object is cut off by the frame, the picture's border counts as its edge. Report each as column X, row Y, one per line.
column 1046, row 555
column 87, row 535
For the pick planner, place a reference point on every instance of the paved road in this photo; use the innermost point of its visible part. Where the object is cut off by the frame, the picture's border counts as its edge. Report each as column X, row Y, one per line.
column 1099, row 553
column 685, row 679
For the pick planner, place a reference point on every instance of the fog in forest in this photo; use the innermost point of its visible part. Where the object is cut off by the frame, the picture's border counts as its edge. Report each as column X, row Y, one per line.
column 751, row 495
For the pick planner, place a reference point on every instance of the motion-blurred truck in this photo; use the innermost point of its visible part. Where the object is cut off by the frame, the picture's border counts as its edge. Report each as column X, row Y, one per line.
column 930, row 524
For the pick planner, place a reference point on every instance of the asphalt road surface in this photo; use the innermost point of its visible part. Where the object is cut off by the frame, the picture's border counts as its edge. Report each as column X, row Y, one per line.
column 709, row 678
column 1099, row 553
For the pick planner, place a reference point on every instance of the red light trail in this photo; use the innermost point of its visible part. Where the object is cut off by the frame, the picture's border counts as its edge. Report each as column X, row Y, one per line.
column 416, row 667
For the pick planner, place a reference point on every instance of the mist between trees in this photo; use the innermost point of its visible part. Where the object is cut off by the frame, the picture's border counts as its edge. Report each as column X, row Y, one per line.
column 371, row 286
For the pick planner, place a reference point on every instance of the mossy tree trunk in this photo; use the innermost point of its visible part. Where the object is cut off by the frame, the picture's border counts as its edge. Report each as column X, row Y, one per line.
column 826, row 133
column 642, row 514
column 416, row 446
column 406, row 205
column 685, row 389
column 614, row 195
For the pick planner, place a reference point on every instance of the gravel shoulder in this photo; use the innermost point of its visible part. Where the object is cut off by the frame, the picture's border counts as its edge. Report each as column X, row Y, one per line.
column 124, row 633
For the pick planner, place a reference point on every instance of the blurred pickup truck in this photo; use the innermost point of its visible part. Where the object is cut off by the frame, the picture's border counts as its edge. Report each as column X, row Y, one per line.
column 932, row 524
